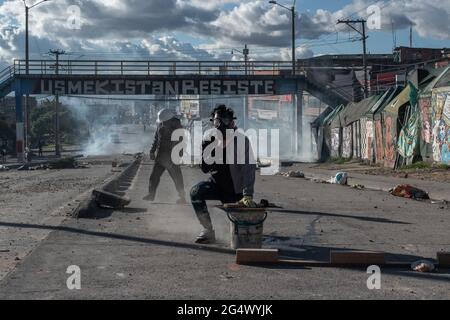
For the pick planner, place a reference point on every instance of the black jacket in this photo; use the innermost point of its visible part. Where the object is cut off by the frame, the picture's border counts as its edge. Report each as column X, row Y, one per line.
column 162, row 143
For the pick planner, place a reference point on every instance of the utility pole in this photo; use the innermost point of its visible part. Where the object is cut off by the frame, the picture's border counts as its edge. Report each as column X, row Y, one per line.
column 293, row 15
column 294, row 69
column 362, row 32
column 57, row 53
column 245, row 53
column 411, row 36
column 27, row 50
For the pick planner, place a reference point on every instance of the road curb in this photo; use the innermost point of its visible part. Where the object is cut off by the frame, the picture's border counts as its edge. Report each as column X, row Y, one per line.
column 116, row 185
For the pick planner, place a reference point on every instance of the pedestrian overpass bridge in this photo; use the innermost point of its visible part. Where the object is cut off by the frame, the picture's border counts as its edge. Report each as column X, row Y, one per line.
column 127, row 77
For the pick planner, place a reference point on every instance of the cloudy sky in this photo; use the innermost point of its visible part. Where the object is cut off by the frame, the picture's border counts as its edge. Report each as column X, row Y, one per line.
column 209, row 29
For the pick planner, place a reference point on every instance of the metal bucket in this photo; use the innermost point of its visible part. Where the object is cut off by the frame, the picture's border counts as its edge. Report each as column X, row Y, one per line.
column 247, row 228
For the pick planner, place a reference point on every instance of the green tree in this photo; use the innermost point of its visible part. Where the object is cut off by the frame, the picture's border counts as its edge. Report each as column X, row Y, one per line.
column 72, row 130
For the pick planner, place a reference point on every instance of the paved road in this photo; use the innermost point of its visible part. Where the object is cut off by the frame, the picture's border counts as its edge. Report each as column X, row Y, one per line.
column 42, row 197
column 147, row 250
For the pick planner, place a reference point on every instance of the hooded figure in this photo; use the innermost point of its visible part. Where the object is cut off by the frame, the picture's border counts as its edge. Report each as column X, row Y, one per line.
column 161, row 153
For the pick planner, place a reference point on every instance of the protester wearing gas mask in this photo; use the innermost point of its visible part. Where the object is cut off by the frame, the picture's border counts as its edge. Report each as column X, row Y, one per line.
column 232, row 180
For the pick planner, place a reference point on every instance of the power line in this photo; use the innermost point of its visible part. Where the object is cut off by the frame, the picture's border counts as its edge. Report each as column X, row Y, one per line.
column 362, row 22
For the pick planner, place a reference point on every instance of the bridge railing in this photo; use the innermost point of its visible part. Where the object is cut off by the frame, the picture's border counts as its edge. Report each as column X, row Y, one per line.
column 124, row 67
column 6, row 73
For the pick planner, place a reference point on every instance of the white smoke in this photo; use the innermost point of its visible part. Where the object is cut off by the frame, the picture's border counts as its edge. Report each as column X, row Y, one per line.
column 110, row 132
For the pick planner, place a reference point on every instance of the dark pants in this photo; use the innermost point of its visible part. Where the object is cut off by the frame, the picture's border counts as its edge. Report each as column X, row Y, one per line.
column 174, row 172
column 208, row 190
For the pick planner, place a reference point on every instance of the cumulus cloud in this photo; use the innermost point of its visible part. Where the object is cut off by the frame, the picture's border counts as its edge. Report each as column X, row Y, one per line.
column 145, row 28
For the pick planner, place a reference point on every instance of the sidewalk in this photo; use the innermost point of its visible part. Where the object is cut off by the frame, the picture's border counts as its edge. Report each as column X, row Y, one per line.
column 437, row 190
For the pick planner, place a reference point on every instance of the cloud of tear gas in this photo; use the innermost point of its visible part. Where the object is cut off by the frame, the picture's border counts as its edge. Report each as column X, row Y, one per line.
column 277, row 113
column 113, row 128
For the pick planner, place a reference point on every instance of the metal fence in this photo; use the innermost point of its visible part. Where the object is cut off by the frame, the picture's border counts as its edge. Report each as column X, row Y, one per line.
column 169, row 68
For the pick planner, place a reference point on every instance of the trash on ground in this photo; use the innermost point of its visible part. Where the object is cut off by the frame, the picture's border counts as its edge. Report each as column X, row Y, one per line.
column 340, row 178
column 293, row 174
column 442, row 202
column 263, row 164
column 266, row 204
column 3, row 168
column 64, row 163
column 358, row 186
column 407, row 191
column 107, row 199
column 423, row 266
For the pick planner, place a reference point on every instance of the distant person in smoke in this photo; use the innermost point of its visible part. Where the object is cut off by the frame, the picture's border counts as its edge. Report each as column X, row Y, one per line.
column 231, row 181
column 161, row 153
column 4, row 150
column 40, row 146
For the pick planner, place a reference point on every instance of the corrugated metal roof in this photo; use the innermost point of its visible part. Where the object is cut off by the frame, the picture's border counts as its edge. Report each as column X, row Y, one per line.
column 436, row 82
column 399, row 101
column 333, row 119
column 444, row 79
column 356, row 111
column 380, row 102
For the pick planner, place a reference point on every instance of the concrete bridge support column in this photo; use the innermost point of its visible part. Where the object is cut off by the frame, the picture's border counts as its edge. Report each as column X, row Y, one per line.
column 294, row 139
column 19, row 125
column 299, row 118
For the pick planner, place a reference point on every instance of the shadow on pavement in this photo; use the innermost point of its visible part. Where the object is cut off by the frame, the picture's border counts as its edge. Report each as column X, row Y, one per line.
column 335, row 215
column 120, row 237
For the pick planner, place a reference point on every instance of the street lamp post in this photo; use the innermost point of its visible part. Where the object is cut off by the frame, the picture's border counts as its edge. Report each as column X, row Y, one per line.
column 27, row 69
column 297, row 128
column 292, row 10
column 27, row 53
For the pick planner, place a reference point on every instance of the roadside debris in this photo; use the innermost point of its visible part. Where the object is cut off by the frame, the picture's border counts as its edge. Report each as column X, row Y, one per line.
column 340, row 178
column 407, row 191
column 443, row 204
column 107, row 199
column 423, row 266
column 266, row 204
column 3, row 168
column 292, row 174
column 263, row 163
column 358, row 186
column 64, row 163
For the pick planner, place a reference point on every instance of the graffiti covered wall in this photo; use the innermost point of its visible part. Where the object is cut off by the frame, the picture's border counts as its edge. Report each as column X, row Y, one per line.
column 379, row 146
column 347, row 142
column 390, row 140
column 441, row 125
column 335, row 142
column 367, row 139
column 425, row 113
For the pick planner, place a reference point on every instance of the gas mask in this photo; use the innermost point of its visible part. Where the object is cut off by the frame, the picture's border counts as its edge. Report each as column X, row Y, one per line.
column 222, row 124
